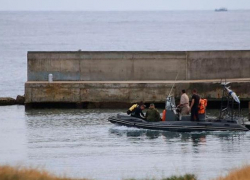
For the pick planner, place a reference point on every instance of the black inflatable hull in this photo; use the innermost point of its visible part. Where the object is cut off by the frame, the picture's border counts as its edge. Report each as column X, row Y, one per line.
column 177, row 126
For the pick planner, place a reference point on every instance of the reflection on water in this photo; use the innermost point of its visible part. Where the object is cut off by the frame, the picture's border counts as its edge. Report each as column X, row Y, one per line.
column 197, row 138
column 83, row 143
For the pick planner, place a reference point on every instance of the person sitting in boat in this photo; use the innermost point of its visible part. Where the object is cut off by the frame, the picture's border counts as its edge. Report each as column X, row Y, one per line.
column 195, row 106
column 152, row 114
column 138, row 112
column 184, row 103
column 132, row 108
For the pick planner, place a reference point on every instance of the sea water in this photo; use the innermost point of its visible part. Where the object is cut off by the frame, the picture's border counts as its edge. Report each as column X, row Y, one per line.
column 82, row 143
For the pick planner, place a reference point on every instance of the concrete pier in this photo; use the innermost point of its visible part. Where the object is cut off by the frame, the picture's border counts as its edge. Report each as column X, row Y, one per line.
column 121, row 78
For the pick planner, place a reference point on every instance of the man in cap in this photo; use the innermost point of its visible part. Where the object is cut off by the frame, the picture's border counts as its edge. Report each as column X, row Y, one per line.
column 152, row 114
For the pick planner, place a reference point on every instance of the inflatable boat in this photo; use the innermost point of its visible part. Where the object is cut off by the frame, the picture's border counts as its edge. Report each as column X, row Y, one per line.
column 229, row 119
column 179, row 126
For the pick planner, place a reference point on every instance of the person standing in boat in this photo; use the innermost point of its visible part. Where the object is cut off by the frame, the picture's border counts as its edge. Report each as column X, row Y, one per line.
column 195, row 106
column 138, row 112
column 153, row 114
column 184, row 103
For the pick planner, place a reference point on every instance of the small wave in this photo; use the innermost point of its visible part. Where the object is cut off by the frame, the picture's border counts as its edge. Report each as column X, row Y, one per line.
column 125, row 128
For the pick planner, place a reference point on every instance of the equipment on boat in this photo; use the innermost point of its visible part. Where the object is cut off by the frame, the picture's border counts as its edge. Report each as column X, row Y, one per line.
column 130, row 110
column 234, row 96
column 229, row 119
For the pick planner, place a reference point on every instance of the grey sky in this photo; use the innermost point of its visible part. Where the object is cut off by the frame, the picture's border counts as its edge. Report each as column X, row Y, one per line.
column 107, row 5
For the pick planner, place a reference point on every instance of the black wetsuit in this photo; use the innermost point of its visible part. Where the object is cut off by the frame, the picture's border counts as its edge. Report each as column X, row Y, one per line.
column 137, row 112
column 195, row 109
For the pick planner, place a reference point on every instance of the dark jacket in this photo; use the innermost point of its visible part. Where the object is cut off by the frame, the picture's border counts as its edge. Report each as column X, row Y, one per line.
column 196, row 101
column 137, row 112
column 153, row 115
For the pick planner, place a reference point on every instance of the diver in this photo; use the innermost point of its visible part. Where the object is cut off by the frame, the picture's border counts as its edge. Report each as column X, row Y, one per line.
column 152, row 114
column 132, row 108
column 184, row 103
column 138, row 112
column 195, row 106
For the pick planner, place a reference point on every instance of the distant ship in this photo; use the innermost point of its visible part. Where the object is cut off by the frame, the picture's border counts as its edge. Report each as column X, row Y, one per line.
column 221, row 9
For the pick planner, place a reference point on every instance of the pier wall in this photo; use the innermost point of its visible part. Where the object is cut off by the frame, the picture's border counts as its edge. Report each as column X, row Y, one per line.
column 120, row 93
column 106, row 66
column 138, row 66
column 218, row 64
column 128, row 77
column 127, row 92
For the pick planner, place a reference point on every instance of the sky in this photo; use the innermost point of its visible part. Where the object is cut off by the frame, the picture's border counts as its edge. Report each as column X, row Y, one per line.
column 120, row 5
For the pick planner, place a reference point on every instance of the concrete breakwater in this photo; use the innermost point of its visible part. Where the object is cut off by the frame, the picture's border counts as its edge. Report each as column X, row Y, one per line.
column 121, row 94
column 116, row 79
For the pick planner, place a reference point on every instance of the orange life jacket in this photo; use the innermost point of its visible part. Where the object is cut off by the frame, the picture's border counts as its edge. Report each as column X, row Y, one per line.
column 164, row 115
column 202, row 106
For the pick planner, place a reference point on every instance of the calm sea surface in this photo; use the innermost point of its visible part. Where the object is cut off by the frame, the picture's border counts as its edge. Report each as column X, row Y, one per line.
column 104, row 31
column 83, row 143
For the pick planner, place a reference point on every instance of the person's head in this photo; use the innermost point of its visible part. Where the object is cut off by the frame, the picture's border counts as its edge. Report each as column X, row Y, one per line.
column 194, row 91
column 142, row 106
column 140, row 103
column 183, row 91
column 152, row 106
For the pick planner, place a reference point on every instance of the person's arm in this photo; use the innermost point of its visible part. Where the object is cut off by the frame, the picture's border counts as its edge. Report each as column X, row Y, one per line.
column 180, row 101
column 146, row 116
column 158, row 115
column 192, row 103
column 142, row 114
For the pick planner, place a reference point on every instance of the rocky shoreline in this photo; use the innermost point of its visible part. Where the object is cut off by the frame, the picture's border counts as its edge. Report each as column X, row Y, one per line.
column 6, row 101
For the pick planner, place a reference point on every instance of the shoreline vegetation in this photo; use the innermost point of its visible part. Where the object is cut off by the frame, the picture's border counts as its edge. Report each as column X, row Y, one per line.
column 22, row 173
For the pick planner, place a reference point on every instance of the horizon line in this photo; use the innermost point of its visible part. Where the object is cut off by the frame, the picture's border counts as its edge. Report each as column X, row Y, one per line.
column 119, row 10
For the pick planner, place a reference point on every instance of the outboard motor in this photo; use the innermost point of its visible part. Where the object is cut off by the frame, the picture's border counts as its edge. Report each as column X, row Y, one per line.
column 171, row 114
column 170, row 103
column 230, row 105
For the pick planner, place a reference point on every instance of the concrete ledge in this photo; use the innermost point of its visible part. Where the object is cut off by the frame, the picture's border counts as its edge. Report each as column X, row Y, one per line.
column 148, row 81
column 126, row 92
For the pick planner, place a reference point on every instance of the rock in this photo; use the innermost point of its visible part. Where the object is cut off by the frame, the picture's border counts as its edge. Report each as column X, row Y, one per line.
column 20, row 100
column 7, row 101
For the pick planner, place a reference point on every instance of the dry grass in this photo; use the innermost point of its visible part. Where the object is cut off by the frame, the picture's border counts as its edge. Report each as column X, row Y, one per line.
column 21, row 173
column 184, row 177
column 238, row 174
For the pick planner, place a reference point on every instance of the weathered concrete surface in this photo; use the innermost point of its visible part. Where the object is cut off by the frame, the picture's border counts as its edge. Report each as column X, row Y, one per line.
column 95, row 92
column 141, row 66
column 106, row 66
column 126, row 91
column 127, row 77
column 218, row 64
